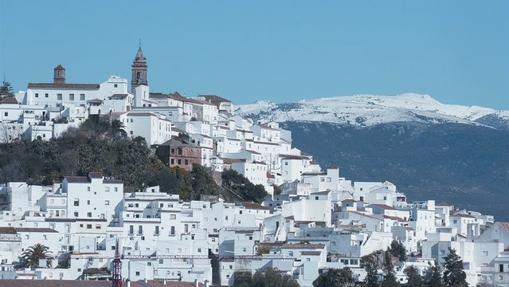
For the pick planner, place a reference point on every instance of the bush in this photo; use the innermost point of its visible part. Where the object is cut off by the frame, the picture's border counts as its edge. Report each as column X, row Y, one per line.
column 237, row 183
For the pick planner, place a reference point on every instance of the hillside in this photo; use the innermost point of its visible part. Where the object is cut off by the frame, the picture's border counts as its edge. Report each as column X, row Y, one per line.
column 461, row 164
column 453, row 153
column 98, row 146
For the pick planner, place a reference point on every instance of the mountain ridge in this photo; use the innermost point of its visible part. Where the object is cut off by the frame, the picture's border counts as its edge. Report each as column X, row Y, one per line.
column 452, row 153
column 369, row 110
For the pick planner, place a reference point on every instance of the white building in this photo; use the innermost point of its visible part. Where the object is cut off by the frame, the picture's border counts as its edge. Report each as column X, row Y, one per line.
column 153, row 127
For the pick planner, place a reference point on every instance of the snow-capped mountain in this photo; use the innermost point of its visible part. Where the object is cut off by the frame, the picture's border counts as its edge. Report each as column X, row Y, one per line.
column 369, row 110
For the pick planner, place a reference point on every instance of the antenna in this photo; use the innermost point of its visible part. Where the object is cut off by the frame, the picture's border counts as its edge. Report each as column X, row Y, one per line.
column 116, row 280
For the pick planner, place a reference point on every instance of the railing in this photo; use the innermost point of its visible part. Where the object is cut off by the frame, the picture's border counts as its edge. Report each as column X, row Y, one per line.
column 10, row 238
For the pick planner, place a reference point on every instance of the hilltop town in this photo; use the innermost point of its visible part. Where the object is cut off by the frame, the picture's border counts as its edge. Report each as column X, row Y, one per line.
column 310, row 219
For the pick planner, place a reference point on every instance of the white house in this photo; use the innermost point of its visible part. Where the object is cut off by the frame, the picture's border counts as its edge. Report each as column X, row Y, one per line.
column 153, row 127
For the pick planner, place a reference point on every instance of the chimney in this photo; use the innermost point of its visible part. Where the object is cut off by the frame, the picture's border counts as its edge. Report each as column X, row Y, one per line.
column 59, row 75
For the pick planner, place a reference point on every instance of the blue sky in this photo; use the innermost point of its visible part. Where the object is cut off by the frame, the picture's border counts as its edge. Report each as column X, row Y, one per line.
column 457, row 51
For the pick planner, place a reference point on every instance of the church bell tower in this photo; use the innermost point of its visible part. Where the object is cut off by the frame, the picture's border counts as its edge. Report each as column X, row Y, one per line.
column 139, row 70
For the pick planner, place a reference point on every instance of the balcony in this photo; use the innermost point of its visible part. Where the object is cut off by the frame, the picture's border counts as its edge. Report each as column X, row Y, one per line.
column 6, row 238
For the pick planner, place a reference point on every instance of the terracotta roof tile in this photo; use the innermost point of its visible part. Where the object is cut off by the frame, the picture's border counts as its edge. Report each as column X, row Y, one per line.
column 65, row 86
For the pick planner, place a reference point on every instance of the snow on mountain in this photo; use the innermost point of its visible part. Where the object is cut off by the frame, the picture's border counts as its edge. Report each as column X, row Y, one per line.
column 368, row 110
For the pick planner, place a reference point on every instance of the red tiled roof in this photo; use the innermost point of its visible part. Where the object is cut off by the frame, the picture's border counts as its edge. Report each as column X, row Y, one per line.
column 302, row 246
column 7, row 230
column 252, row 205
column 394, row 218
column 290, row 156
column 65, row 86
column 9, row 100
column 14, row 230
column 366, row 215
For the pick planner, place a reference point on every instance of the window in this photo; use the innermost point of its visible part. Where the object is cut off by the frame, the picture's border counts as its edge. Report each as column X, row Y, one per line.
column 59, row 97
column 76, row 202
column 89, row 226
column 97, row 226
column 115, row 85
column 116, row 189
column 107, row 189
column 137, row 273
column 36, row 95
column 89, row 214
column 106, row 202
column 76, row 214
column 71, row 97
column 500, row 267
column 88, row 188
column 88, row 202
column 45, row 95
column 82, row 97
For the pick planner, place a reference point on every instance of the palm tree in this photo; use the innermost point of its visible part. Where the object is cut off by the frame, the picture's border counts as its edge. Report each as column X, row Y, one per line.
column 6, row 89
column 33, row 254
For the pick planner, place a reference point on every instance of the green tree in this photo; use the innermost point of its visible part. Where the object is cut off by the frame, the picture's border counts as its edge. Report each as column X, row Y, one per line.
column 202, row 182
column 414, row 279
column 266, row 278
column 369, row 263
column 335, row 277
column 454, row 276
column 6, row 89
column 397, row 249
column 237, row 183
column 117, row 129
column 433, row 276
column 389, row 278
column 33, row 254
